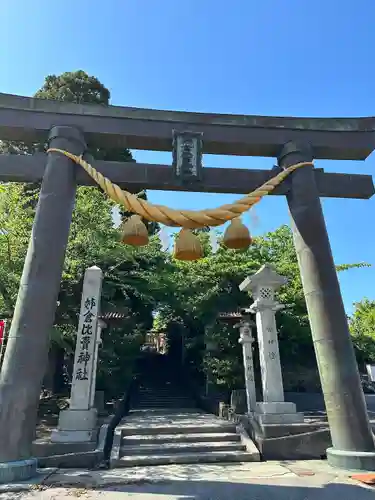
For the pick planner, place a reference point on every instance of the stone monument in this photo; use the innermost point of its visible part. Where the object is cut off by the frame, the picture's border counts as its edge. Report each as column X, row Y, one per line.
column 78, row 423
column 263, row 285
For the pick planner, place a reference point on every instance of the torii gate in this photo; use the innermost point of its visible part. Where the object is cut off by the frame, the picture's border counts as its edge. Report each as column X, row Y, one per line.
column 67, row 126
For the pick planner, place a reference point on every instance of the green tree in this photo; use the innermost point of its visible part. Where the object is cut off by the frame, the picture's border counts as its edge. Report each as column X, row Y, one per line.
column 80, row 88
column 362, row 329
column 16, row 217
column 74, row 86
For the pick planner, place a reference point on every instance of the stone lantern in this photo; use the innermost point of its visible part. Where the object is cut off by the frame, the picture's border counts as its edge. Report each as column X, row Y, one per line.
column 263, row 285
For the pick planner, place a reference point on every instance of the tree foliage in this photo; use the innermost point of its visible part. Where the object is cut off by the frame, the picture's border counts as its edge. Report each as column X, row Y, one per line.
column 362, row 328
column 210, row 286
column 76, row 86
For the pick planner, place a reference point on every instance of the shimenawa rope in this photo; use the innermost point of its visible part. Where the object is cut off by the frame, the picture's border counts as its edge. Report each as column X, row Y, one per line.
column 189, row 219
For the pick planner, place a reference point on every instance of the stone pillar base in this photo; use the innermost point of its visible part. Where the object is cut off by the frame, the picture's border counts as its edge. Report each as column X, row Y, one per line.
column 277, row 413
column 19, row 470
column 278, row 407
column 351, row 460
column 76, row 426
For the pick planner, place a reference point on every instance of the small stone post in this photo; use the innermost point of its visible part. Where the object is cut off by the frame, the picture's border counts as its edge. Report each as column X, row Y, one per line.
column 78, row 423
column 263, row 285
column 246, row 339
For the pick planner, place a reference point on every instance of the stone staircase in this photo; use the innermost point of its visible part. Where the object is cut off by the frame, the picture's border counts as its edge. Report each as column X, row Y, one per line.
column 164, row 427
column 167, row 396
column 161, row 437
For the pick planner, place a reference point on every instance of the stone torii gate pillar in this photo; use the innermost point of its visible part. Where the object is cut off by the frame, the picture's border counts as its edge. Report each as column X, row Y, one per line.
column 28, row 342
column 352, row 439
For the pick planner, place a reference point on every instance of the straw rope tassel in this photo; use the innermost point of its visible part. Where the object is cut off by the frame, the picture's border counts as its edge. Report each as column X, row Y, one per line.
column 187, row 246
column 237, row 235
column 134, row 232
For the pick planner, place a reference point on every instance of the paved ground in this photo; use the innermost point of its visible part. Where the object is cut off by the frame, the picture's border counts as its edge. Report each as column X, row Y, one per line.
column 312, row 480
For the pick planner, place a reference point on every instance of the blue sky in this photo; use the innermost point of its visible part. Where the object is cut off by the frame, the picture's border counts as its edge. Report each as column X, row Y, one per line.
column 269, row 57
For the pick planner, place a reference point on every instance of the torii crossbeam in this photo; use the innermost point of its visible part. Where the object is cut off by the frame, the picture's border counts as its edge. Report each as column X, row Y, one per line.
column 68, row 126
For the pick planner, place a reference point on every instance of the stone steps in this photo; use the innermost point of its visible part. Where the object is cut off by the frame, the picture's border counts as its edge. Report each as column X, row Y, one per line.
column 180, row 438
column 161, row 392
column 180, row 447
column 162, row 437
column 165, row 389
column 158, row 404
column 162, row 397
column 155, row 397
column 177, row 429
column 184, row 458
column 164, row 400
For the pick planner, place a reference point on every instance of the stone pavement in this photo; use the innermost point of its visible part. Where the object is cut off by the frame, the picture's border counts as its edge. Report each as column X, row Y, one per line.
column 302, row 480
